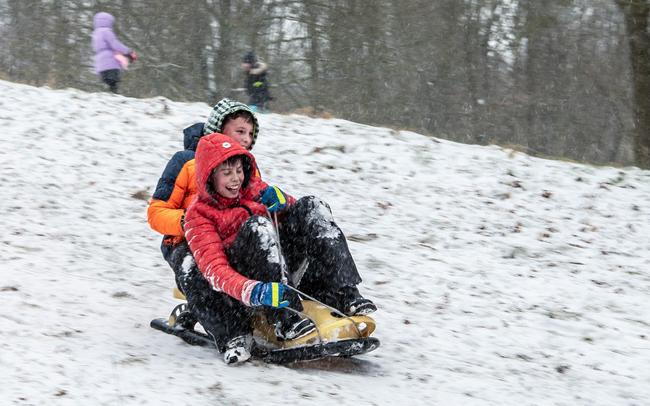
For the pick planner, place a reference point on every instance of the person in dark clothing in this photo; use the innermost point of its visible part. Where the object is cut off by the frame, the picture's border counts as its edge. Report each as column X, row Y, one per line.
column 243, row 262
column 257, row 86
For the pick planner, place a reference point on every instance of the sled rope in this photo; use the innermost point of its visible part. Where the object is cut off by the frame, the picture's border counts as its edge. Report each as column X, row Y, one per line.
column 285, row 277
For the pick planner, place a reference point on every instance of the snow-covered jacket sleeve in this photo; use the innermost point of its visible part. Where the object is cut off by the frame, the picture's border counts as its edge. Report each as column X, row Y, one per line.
column 209, row 252
column 115, row 44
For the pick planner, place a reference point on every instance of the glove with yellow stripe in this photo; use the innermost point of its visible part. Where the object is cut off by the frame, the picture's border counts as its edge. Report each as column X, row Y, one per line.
column 274, row 199
column 269, row 294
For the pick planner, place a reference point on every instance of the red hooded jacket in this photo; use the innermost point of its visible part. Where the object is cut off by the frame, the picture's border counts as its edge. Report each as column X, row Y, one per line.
column 213, row 221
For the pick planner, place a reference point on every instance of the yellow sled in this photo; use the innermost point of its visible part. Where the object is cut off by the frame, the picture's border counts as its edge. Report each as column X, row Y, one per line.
column 328, row 327
column 334, row 335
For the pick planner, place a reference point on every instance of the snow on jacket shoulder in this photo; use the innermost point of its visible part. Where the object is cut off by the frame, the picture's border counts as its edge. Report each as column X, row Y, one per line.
column 212, row 221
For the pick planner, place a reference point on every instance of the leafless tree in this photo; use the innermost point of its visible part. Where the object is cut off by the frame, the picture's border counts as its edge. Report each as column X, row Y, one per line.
column 562, row 78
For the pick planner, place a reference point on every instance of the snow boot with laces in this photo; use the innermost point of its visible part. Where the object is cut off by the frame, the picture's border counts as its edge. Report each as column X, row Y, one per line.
column 291, row 326
column 353, row 304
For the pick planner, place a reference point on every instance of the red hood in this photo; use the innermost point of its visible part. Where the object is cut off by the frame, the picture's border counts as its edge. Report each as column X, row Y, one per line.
column 214, row 149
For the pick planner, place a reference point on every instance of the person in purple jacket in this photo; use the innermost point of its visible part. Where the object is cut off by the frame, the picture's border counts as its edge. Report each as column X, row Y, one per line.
column 111, row 55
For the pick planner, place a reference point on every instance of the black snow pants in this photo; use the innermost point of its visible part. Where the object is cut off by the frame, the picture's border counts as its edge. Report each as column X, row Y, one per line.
column 309, row 241
column 257, row 88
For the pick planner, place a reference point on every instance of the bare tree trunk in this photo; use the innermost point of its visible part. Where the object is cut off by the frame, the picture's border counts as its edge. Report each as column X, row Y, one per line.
column 313, row 53
column 225, row 51
column 546, row 74
column 636, row 20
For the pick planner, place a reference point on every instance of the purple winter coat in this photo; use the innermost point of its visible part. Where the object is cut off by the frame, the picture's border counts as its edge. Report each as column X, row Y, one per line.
column 105, row 43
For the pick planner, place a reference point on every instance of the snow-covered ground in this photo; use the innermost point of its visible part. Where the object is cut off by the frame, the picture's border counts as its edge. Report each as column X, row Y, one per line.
column 501, row 278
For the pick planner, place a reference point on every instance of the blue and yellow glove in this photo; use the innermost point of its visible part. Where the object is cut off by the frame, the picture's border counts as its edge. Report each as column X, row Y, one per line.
column 269, row 294
column 274, row 199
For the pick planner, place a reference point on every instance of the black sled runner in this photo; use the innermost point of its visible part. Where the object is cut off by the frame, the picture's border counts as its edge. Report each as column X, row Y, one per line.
column 334, row 336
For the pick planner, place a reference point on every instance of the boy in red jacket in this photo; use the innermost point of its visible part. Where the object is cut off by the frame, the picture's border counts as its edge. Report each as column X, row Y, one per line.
column 177, row 185
column 242, row 259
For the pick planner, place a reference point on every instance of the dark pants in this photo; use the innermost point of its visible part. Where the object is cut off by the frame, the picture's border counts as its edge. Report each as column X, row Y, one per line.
column 259, row 98
column 220, row 315
column 111, row 77
column 257, row 89
column 308, row 236
column 308, row 233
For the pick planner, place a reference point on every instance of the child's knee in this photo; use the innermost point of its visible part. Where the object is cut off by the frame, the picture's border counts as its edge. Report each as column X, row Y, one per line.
column 260, row 226
column 260, row 232
column 311, row 203
column 316, row 208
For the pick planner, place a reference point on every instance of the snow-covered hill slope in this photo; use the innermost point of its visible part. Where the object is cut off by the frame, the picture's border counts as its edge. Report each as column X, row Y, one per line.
column 501, row 278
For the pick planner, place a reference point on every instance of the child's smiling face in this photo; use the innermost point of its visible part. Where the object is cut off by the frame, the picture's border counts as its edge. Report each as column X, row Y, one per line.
column 227, row 179
column 241, row 130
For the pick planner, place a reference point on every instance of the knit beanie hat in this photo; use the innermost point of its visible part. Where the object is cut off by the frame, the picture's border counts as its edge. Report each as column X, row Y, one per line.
column 223, row 109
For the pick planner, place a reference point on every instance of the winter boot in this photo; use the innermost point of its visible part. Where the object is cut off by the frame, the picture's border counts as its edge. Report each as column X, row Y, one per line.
column 238, row 350
column 292, row 325
column 353, row 304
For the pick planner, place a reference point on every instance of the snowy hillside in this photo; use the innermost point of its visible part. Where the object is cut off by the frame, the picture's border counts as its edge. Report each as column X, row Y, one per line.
column 501, row 279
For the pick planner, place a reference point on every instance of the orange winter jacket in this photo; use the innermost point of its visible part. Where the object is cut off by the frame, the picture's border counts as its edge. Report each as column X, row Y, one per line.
column 176, row 189
column 169, row 202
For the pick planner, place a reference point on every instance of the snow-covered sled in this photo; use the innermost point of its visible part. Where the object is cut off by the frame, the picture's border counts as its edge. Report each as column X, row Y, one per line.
column 334, row 336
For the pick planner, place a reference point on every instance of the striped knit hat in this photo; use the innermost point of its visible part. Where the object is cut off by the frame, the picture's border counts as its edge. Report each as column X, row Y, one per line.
column 223, row 109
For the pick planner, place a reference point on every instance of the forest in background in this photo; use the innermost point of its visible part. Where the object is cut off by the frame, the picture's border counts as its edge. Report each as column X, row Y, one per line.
column 561, row 78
